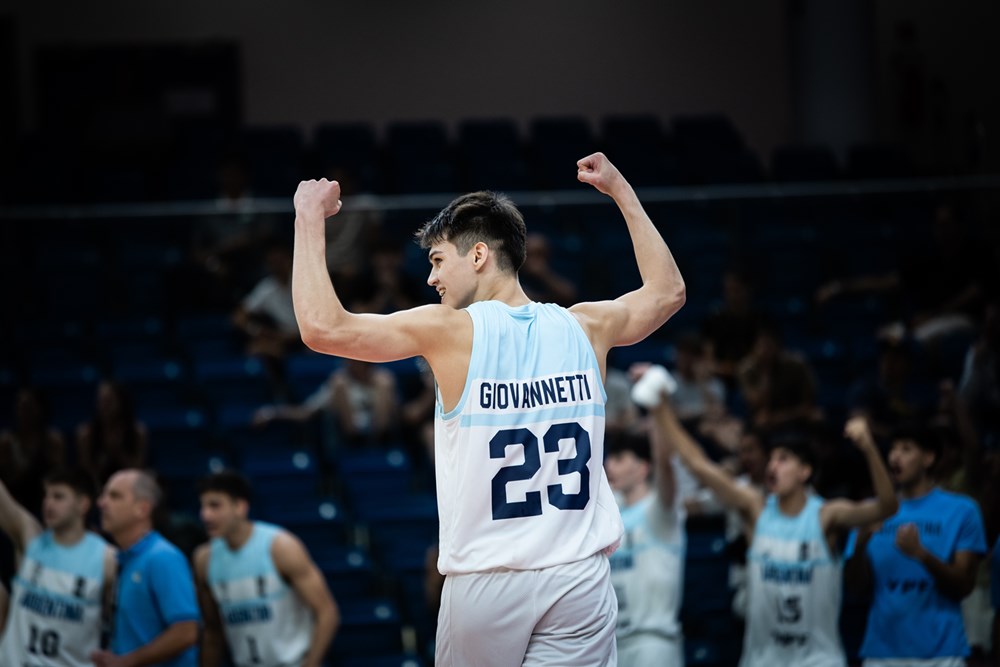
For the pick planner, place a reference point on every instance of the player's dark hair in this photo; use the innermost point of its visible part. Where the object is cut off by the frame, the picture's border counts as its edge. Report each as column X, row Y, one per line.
column 75, row 478
column 798, row 443
column 484, row 216
column 626, row 441
column 229, row 482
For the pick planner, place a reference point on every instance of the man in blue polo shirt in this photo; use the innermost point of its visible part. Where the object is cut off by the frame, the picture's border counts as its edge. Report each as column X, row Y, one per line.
column 919, row 563
column 156, row 618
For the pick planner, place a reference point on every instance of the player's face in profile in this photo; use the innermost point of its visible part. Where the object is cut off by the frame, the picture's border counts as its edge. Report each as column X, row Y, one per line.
column 785, row 472
column 218, row 513
column 62, row 506
column 908, row 462
column 452, row 274
column 625, row 470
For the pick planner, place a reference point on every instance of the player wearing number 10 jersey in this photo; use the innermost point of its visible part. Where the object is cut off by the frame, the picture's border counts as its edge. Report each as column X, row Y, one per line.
column 64, row 579
column 526, row 512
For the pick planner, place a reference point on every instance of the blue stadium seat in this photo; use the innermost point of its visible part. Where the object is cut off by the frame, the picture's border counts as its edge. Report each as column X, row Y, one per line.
column 368, row 628
column 556, row 144
column 275, row 157
column 350, row 146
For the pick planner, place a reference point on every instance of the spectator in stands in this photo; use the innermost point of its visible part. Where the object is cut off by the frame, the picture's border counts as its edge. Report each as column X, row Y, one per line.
column 778, row 385
column 646, row 570
column 267, row 317
column 361, row 397
column 540, row 281
column 113, row 439
column 348, row 239
column 386, row 287
column 979, row 386
column 794, row 582
column 920, row 563
column 944, row 283
column 31, row 450
column 893, row 395
column 250, row 565
column 730, row 331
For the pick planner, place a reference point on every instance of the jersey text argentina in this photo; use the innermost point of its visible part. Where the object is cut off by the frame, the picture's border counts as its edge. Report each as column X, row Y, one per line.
column 524, row 448
column 55, row 604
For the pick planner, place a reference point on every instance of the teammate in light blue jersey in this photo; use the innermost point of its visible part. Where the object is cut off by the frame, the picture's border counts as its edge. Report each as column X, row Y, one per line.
column 62, row 591
column 793, row 566
column 527, row 516
column 260, row 592
column 647, row 570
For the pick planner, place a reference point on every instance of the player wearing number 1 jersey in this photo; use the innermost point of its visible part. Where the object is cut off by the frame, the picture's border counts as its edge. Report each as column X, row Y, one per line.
column 64, row 580
column 793, row 565
column 527, row 515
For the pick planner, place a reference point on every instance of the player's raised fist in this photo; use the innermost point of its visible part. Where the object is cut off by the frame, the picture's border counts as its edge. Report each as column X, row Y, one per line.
column 321, row 195
column 857, row 431
column 597, row 170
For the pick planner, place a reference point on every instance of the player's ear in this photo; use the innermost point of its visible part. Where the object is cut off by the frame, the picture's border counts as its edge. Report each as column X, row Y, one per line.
column 480, row 253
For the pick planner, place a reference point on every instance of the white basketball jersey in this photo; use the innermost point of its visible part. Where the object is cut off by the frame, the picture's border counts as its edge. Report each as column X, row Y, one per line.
column 647, row 570
column 794, row 589
column 265, row 621
column 54, row 617
column 519, row 460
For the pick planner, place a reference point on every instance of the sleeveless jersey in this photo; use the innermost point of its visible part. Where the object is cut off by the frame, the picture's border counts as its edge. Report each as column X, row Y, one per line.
column 519, row 460
column 647, row 570
column 55, row 604
column 265, row 621
column 794, row 589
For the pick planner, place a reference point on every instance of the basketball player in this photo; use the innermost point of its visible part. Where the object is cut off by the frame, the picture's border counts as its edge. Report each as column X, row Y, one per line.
column 919, row 563
column 527, row 516
column 647, row 569
column 794, row 567
column 65, row 578
column 260, row 591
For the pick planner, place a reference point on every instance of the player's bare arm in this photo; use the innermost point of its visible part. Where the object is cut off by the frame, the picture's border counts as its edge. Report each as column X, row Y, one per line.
column 18, row 524
column 632, row 316
column 664, row 476
column 212, row 650
column 741, row 498
column 110, row 585
column 327, row 326
column 293, row 563
column 842, row 513
column 956, row 579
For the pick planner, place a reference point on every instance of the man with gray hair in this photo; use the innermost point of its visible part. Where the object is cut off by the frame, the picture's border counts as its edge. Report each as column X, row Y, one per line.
column 156, row 614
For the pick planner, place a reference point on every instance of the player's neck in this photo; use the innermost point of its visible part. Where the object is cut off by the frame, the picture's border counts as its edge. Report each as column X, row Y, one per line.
column 69, row 535
column 792, row 503
column 129, row 537
column 504, row 288
column 239, row 535
column 918, row 489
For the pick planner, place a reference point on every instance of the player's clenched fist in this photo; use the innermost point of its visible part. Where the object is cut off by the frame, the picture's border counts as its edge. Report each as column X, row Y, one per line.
column 597, row 170
column 321, row 195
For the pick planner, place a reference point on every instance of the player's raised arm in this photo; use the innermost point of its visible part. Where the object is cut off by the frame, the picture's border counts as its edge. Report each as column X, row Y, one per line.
column 19, row 525
column 842, row 513
column 741, row 498
column 325, row 324
column 632, row 316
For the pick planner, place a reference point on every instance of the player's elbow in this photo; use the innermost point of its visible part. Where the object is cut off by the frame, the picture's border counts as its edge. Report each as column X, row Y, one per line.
column 672, row 298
